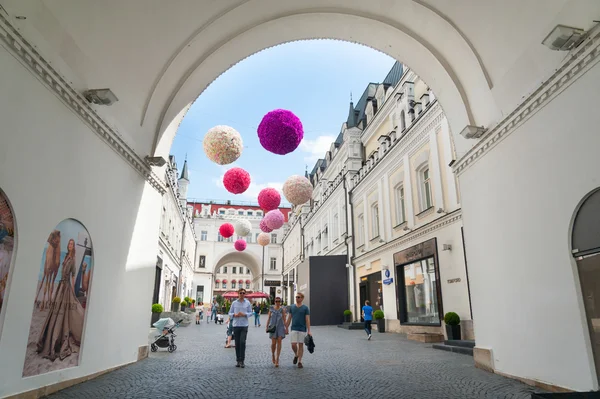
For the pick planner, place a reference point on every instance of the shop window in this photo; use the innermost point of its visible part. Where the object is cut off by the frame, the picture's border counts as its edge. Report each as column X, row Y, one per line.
column 420, row 292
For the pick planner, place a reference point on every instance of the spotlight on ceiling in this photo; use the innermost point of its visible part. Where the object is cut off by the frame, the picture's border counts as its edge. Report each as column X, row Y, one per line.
column 564, row 38
column 155, row 161
column 472, row 132
column 100, row 96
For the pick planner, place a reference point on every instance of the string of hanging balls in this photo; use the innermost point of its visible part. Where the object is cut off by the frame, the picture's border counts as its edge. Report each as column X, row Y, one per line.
column 279, row 132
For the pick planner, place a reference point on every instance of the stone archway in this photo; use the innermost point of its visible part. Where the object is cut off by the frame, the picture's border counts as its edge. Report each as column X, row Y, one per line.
column 244, row 258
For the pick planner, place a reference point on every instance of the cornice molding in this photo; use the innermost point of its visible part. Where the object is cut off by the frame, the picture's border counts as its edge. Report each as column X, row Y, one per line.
column 444, row 221
column 576, row 65
column 16, row 44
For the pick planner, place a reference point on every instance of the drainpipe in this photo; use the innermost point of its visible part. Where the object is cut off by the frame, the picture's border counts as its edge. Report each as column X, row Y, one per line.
column 179, row 285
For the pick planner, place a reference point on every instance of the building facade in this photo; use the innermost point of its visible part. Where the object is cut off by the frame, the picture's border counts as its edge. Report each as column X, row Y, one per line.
column 177, row 240
column 385, row 196
column 218, row 267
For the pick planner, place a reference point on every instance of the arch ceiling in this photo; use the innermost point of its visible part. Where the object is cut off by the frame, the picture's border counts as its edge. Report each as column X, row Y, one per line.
column 480, row 57
column 241, row 258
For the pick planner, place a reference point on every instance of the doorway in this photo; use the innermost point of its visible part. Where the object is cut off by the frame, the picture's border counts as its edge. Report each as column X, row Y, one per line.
column 586, row 250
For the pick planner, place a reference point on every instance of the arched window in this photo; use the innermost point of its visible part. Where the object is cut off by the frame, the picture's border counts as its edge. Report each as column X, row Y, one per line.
column 233, row 285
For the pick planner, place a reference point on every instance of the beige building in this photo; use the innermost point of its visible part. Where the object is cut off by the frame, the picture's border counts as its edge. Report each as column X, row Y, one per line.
column 409, row 255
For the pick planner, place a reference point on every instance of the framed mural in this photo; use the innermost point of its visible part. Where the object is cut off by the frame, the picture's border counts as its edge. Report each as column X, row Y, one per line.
column 7, row 245
column 62, row 292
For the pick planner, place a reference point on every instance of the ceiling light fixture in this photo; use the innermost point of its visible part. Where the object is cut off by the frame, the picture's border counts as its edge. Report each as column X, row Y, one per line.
column 564, row 38
column 100, row 96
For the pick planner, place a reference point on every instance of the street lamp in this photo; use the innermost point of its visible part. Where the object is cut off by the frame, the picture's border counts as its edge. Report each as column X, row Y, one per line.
column 262, row 276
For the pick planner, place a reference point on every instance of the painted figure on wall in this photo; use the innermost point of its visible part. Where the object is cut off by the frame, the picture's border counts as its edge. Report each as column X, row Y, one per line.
column 7, row 244
column 56, row 332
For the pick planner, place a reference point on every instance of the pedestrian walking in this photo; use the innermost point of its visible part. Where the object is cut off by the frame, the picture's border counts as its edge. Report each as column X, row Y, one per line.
column 276, row 328
column 367, row 314
column 256, row 309
column 300, row 320
column 229, row 332
column 240, row 310
column 213, row 311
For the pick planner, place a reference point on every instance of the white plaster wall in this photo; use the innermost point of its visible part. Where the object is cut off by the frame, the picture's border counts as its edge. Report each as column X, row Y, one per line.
column 518, row 204
column 89, row 182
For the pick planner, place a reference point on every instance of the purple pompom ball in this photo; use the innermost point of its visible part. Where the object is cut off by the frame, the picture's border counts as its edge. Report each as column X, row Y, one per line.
column 280, row 132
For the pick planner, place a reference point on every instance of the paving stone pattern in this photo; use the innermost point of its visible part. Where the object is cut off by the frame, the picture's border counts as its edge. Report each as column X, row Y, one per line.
column 344, row 365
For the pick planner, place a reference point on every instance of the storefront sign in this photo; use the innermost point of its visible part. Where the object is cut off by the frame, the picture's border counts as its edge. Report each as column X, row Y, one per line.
column 454, row 280
column 420, row 251
column 272, row 283
column 388, row 281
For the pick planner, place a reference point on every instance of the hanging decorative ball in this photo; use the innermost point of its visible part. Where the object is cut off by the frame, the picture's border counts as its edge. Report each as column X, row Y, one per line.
column 297, row 190
column 280, row 132
column 269, row 199
column 223, row 144
column 274, row 219
column 240, row 245
column 263, row 239
column 226, row 230
column 243, row 227
column 236, row 180
column 263, row 226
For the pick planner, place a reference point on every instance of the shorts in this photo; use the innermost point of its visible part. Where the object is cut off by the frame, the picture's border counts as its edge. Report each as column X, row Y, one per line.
column 297, row 337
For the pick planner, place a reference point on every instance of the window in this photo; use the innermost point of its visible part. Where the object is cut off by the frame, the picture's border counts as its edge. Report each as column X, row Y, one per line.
column 249, row 238
column 202, row 262
column 259, row 213
column 233, row 285
column 219, row 237
column 400, row 213
column 256, row 237
column 230, row 239
column 375, row 220
column 224, row 286
column 361, row 229
column 221, row 212
column 241, row 213
column 203, row 235
column 247, row 271
column 420, row 287
column 250, row 213
column 233, row 270
column 247, row 286
column 231, row 212
column 216, row 285
column 426, row 202
column 224, row 271
column 402, row 121
column 273, row 264
column 334, row 227
column 273, row 238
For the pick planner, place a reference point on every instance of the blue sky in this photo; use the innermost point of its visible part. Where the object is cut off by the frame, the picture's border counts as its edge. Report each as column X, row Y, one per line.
column 313, row 79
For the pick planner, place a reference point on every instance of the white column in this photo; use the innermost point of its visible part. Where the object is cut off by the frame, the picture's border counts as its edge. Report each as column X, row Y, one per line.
column 436, row 176
column 381, row 205
column 388, row 207
column 408, row 193
column 449, row 156
column 366, row 218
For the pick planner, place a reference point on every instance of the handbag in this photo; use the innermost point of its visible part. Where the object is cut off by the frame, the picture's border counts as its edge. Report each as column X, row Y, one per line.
column 272, row 329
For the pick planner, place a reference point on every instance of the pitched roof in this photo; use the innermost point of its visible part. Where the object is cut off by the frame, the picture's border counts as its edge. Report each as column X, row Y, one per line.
column 184, row 171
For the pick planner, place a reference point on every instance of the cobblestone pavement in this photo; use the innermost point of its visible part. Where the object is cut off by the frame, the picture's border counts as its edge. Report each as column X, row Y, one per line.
column 344, row 365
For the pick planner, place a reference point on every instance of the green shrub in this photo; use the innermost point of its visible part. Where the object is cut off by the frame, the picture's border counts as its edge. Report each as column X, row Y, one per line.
column 347, row 312
column 157, row 308
column 193, row 301
column 188, row 299
column 378, row 314
column 176, row 300
column 452, row 319
column 183, row 303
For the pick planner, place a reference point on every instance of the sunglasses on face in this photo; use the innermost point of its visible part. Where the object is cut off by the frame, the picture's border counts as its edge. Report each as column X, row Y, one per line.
column 242, row 293
column 298, row 297
column 277, row 300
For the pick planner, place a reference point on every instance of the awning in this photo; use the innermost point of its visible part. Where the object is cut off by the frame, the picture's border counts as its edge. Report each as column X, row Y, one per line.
column 248, row 281
column 224, row 280
column 240, row 281
column 217, row 281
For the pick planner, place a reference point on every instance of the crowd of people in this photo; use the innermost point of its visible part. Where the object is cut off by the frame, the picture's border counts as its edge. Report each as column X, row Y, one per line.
column 278, row 326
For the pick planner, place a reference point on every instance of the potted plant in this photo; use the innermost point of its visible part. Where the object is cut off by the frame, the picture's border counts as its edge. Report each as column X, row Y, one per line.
column 157, row 309
column 452, row 321
column 347, row 315
column 175, row 304
column 379, row 317
column 193, row 303
column 183, row 305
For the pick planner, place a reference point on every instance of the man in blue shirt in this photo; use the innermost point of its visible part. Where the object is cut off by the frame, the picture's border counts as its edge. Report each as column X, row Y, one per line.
column 240, row 311
column 300, row 319
column 367, row 313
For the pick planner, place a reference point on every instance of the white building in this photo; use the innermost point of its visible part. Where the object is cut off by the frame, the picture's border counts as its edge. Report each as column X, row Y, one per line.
column 177, row 240
column 218, row 263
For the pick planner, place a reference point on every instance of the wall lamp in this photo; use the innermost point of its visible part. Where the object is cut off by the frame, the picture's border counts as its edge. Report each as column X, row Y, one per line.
column 155, row 161
column 564, row 38
column 441, row 210
column 473, row 132
column 447, row 247
column 406, row 228
column 100, row 96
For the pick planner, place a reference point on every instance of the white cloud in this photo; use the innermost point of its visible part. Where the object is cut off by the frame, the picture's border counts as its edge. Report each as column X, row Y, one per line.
column 316, row 148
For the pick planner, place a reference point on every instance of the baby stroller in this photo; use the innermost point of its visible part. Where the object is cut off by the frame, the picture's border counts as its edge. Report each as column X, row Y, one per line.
column 220, row 318
column 167, row 338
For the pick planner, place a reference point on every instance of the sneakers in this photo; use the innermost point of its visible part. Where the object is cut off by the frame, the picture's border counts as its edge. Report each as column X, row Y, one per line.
column 238, row 364
column 242, row 365
column 295, row 359
column 300, row 365
column 369, row 338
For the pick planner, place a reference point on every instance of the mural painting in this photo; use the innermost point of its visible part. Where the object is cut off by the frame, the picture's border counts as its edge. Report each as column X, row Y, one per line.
column 62, row 292
column 7, row 244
